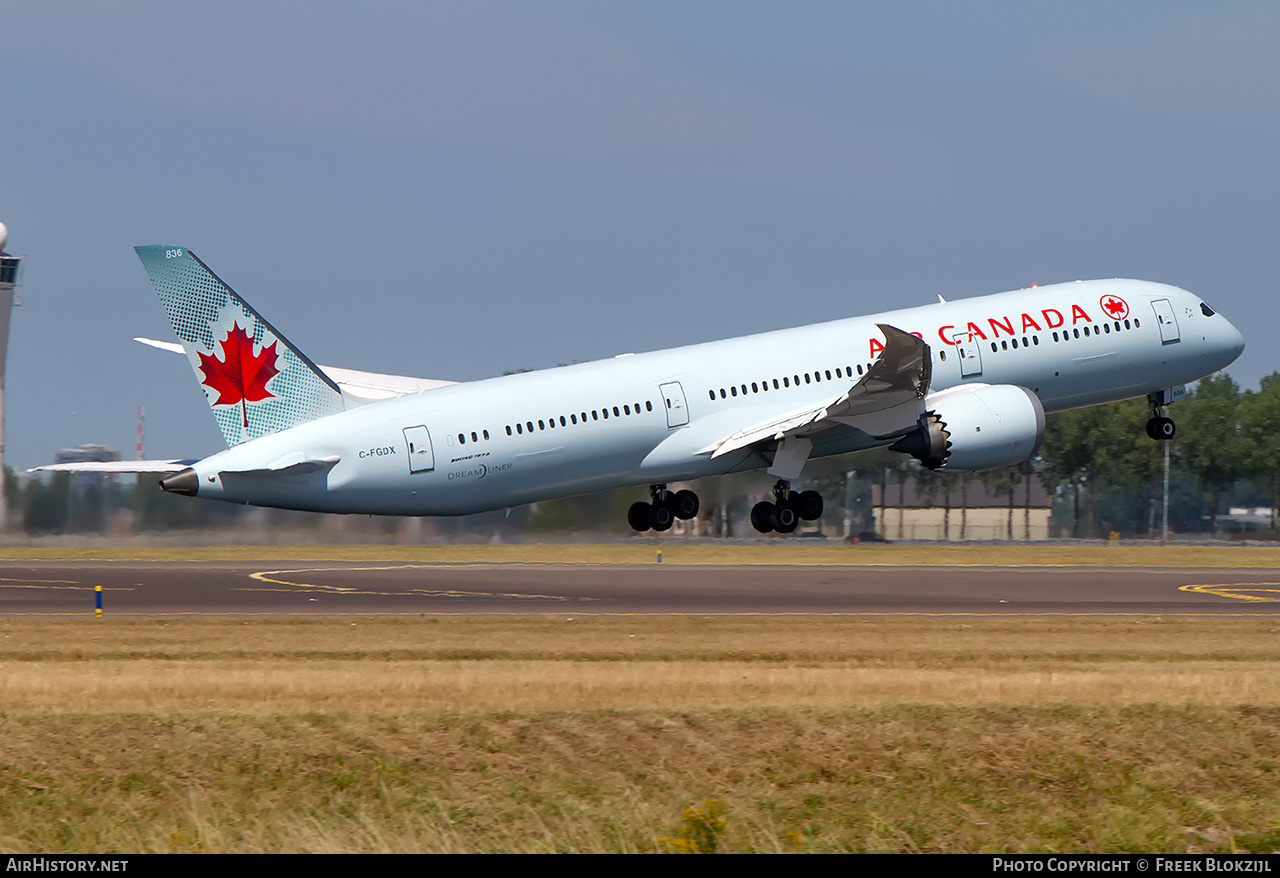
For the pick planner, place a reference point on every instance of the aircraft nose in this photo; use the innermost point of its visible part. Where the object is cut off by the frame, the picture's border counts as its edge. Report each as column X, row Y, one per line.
column 1227, row 341
column 1234, row 340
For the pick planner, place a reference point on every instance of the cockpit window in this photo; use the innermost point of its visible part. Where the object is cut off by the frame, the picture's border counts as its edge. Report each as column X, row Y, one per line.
column 1206, row 310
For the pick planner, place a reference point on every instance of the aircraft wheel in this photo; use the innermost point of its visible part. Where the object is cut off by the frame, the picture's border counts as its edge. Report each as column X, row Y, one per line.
column 762, row 516
column 685, row 505
column 1161, row 429
column 662, row 516
column 640, row 516
column 809, row 505
column 784, row 518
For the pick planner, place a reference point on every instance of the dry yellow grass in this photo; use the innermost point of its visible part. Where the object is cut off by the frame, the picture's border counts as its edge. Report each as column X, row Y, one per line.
column 586, row 663
column 272, row 687
column 678, row 552
column 596, row 734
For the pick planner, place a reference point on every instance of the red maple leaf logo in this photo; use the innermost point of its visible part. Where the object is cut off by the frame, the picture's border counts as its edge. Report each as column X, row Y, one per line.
column 1115, row 306
column 240, row 377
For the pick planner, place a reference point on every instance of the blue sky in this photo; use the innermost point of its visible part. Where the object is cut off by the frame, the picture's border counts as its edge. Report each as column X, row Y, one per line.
column 452, row 190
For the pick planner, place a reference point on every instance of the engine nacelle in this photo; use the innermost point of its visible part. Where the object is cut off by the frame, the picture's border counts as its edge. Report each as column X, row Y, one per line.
column 977, row 427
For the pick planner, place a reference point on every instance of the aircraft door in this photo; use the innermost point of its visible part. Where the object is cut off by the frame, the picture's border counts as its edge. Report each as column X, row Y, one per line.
column 673, row 398
column 421, row 456
column 1168, row 325
column 966, row 348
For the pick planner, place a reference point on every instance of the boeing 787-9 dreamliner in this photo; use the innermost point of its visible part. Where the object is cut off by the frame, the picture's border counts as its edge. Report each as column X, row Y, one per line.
column 960, row 386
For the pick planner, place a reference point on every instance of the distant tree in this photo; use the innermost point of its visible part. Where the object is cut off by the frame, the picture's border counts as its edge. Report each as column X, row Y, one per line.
column 1209, row 432
column 1260, row 420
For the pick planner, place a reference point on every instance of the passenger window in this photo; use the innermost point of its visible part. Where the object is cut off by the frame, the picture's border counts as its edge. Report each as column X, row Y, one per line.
column 520, row 429
column 486, row 435
column 648, row 406
column 626, row 409
column 508, row 429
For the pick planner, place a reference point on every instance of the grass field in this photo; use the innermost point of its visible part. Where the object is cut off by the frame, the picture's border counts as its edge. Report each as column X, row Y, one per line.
column 640, row 734
column 767, row 552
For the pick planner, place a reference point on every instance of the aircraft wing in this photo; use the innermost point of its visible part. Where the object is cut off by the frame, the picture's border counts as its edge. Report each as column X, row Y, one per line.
column 886, row 402
column 359, row 387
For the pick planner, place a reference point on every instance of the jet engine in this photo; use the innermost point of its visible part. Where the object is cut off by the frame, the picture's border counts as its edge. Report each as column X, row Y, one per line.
column 977, row 427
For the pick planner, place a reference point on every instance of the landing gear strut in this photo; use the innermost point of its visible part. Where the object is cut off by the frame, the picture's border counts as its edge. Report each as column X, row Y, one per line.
column 663, row 509
column 1160, row 427
column 787, row 511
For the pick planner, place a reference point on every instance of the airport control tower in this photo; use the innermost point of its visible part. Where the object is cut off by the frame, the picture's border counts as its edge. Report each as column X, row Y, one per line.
column 10, row 281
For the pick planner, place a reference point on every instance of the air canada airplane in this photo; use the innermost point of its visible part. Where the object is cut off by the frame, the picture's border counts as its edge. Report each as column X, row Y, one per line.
column 959, row 386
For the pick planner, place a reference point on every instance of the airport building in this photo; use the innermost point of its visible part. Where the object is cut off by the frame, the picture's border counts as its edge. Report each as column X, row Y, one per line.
column 963, row 512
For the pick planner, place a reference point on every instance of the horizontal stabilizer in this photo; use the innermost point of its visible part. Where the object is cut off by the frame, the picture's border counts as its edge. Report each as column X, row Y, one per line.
column 115, row 466
column 287, row 467
column 358, row 387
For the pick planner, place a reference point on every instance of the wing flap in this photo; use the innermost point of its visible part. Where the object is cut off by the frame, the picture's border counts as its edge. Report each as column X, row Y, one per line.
column 885, row 402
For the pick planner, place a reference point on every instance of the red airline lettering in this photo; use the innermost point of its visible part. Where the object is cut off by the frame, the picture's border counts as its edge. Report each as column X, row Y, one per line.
column 1027, row 321
column 1049, row 320
column 1077, row 314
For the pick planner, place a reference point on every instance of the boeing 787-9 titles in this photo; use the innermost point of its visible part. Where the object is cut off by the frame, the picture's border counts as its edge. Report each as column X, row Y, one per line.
column 959, row 386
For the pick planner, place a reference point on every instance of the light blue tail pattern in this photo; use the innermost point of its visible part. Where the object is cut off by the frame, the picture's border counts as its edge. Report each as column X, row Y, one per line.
column 256, row 382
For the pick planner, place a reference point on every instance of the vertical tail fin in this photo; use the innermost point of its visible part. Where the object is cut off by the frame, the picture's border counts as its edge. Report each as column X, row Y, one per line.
column 255, row 380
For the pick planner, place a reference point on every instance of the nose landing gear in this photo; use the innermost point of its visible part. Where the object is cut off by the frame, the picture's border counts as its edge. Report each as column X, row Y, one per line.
column 1160, row 427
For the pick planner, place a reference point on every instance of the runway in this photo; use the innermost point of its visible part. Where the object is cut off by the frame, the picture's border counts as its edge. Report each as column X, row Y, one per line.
column 167, row 588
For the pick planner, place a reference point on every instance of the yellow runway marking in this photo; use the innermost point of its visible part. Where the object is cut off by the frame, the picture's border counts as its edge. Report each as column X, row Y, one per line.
column 270, row 576
column 1238, row 590
column 47, row 584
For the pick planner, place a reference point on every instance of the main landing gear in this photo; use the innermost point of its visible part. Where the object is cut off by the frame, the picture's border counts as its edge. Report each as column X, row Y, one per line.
column 664, row 509
column 1160, row 428
column 787, row 511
